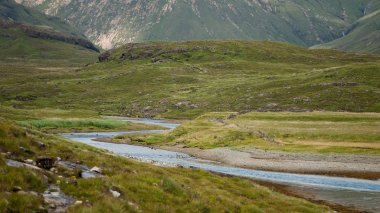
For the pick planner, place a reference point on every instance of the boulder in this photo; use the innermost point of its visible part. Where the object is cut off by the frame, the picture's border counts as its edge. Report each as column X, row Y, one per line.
column 16, row 189
column 78, row 202
column 269, row 107
column 186, row 104
column 97, row 170
column 104, row 56
column 29, row 161
column 39, row 144
column 45, row 162
column 232, row 116
column 116, row 192
column 25, row 150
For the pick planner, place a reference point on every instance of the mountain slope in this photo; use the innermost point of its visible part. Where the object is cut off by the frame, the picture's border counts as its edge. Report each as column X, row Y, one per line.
column 11, row 11
column 21, row 41
column 29, row 34
column 112, row 23
column 187, row 79
column 363, row 36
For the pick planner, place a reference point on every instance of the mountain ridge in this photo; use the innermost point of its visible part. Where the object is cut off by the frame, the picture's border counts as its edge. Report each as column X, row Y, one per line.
column 112, row 23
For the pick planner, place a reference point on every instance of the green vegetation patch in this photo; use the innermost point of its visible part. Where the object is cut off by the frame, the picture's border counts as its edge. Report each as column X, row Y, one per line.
column 59, row 125
column 322, row 132
column 104, row 124
column 189, row 79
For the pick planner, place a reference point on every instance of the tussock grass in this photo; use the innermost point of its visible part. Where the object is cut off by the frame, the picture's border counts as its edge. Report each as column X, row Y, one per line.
column 59, row 125
column 104, row 124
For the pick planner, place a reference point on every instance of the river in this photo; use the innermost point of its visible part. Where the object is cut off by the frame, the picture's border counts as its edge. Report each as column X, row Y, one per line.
column 360, row 194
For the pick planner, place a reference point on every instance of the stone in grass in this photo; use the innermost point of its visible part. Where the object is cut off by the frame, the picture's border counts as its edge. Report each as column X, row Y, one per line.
column 29, row 161
column 115, row 191
column 16, row 189
column 28, row 151
column 45, row 162
column 96, row 169
column 40, row 145
column 78, row 202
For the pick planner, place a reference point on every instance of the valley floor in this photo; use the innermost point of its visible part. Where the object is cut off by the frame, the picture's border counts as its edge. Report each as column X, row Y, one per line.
column 335, row 144
column 40, row 99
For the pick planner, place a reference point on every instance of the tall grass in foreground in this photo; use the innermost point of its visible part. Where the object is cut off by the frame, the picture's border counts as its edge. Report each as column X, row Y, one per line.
column 97, row 123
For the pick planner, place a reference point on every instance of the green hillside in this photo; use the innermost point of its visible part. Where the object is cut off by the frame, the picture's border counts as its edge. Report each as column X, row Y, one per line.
column 27, row 42
column 187, row 79
column 363, row 36
column 26, row 34
column 10, row 10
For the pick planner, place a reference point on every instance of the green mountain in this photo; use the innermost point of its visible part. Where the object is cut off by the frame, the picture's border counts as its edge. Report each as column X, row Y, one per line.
column 29, row 42
column 112, row 23
column 11, row 11
column 362, row 36
column 188, row 79
column 29, row 34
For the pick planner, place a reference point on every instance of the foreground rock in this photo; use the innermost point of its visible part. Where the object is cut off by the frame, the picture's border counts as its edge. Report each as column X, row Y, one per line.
column 14, row 163
column 45, row 162
column 116, row 192
column 56, row 200
column 97, row 170
column 85, row 172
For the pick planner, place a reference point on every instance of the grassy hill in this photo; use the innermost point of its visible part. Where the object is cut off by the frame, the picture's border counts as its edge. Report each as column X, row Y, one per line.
column 20, row 42
column 26, row 34
column 187, row 79
column 10, row 10
column 362, row 36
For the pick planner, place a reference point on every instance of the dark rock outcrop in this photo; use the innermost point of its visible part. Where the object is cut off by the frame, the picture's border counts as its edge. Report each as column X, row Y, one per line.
column 45, row 162
column 104, row 56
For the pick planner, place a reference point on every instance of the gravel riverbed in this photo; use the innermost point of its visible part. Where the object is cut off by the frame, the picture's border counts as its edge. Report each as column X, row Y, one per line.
column 359, row 166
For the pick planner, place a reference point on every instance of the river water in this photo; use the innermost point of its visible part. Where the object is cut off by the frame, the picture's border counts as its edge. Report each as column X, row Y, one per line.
column 357, row 193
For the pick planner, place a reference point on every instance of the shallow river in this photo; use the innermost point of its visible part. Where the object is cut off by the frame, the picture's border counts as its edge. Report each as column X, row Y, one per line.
column 360, row 194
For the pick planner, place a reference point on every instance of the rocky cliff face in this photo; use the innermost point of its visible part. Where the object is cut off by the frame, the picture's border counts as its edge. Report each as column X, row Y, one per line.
column 110, row 23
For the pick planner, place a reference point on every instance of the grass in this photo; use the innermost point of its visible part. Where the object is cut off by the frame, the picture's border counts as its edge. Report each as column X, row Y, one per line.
column 215, row 76
column 320, row 132
column 84, row 125
column 60, row 121
column 144, row 187
column 11, row 113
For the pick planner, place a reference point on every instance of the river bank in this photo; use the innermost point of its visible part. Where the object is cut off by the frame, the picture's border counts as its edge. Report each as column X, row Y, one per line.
column 345, row 165
column 342, row 165
column 339, row 199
